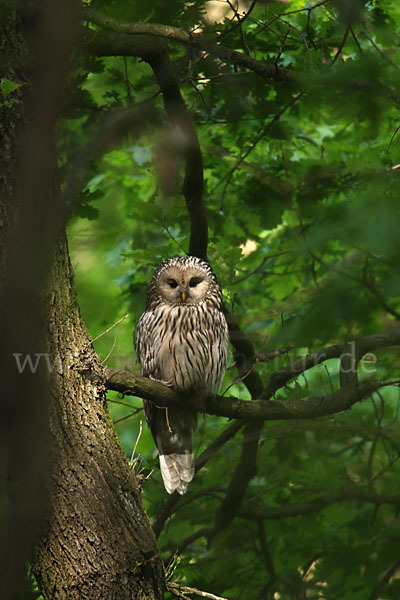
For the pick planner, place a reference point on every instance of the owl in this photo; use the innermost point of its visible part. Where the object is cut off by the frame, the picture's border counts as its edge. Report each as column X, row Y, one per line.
column 181, row 340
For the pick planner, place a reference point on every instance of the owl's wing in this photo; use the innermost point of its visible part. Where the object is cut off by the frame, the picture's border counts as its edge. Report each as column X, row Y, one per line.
column 147, row 355
column 144, row 346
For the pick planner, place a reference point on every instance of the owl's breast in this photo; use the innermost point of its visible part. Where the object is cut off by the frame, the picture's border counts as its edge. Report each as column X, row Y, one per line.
column 190, row 347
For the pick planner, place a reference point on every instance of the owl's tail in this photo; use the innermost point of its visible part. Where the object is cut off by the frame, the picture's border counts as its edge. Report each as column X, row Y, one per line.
column 174, row 432
column 177, row 471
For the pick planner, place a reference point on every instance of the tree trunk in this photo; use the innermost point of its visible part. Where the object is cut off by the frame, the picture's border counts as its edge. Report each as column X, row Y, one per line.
column 72, row 493
column 99, row 543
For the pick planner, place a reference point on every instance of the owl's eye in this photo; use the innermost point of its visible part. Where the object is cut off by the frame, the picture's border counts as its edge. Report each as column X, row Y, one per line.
column 172, row 283
column 194, row 281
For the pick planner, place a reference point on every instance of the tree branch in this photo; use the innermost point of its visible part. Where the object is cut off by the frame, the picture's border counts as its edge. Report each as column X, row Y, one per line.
column 253, row 513
column 376, row 592
column 256, row 410
column 226, row 55
column 193, row 183
column 192, row 538
column 142, row 39
column 342, row 494
column 155, row 53
column 110, row 43
column 362, row 345
column 245, row 470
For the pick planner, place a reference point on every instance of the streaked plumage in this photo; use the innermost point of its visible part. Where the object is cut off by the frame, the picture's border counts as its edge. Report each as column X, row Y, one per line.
column 182, row 340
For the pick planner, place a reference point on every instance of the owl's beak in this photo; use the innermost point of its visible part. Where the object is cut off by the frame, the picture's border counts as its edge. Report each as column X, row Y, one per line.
column 183, row 296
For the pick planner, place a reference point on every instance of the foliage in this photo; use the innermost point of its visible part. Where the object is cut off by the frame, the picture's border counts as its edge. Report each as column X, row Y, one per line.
column 7, row 87
column 301, row 183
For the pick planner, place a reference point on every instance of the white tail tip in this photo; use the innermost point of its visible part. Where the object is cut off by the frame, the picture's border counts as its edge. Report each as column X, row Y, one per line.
column 177, row 471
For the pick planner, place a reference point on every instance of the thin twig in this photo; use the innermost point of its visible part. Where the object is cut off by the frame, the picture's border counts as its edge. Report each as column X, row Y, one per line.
column 391, row 142
column 109, row 354
column 271, row 354
column 132, row 414
column 376, row 592
column 176, row 592
column 258, row 138
column 240, row 20
column 342, row 43
column 237, row 16
column 131, row 462
column 184, row 589
column 309, row 8
column 303, row 37
column 356, row 40
column 366, row 283
column 238, row 379
column 120, row 402
column 109, row 329
column 381, row 52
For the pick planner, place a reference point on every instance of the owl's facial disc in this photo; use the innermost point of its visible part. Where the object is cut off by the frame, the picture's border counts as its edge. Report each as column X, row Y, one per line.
column 184, row 286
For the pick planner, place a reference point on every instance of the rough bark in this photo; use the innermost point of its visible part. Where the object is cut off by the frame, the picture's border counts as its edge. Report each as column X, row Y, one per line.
column 98, row 542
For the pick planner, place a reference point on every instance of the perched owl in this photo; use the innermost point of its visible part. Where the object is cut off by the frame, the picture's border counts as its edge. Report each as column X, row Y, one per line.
column 181, row 340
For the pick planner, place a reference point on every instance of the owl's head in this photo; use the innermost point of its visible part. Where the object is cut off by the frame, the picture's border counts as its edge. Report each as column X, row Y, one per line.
column 185, row 281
